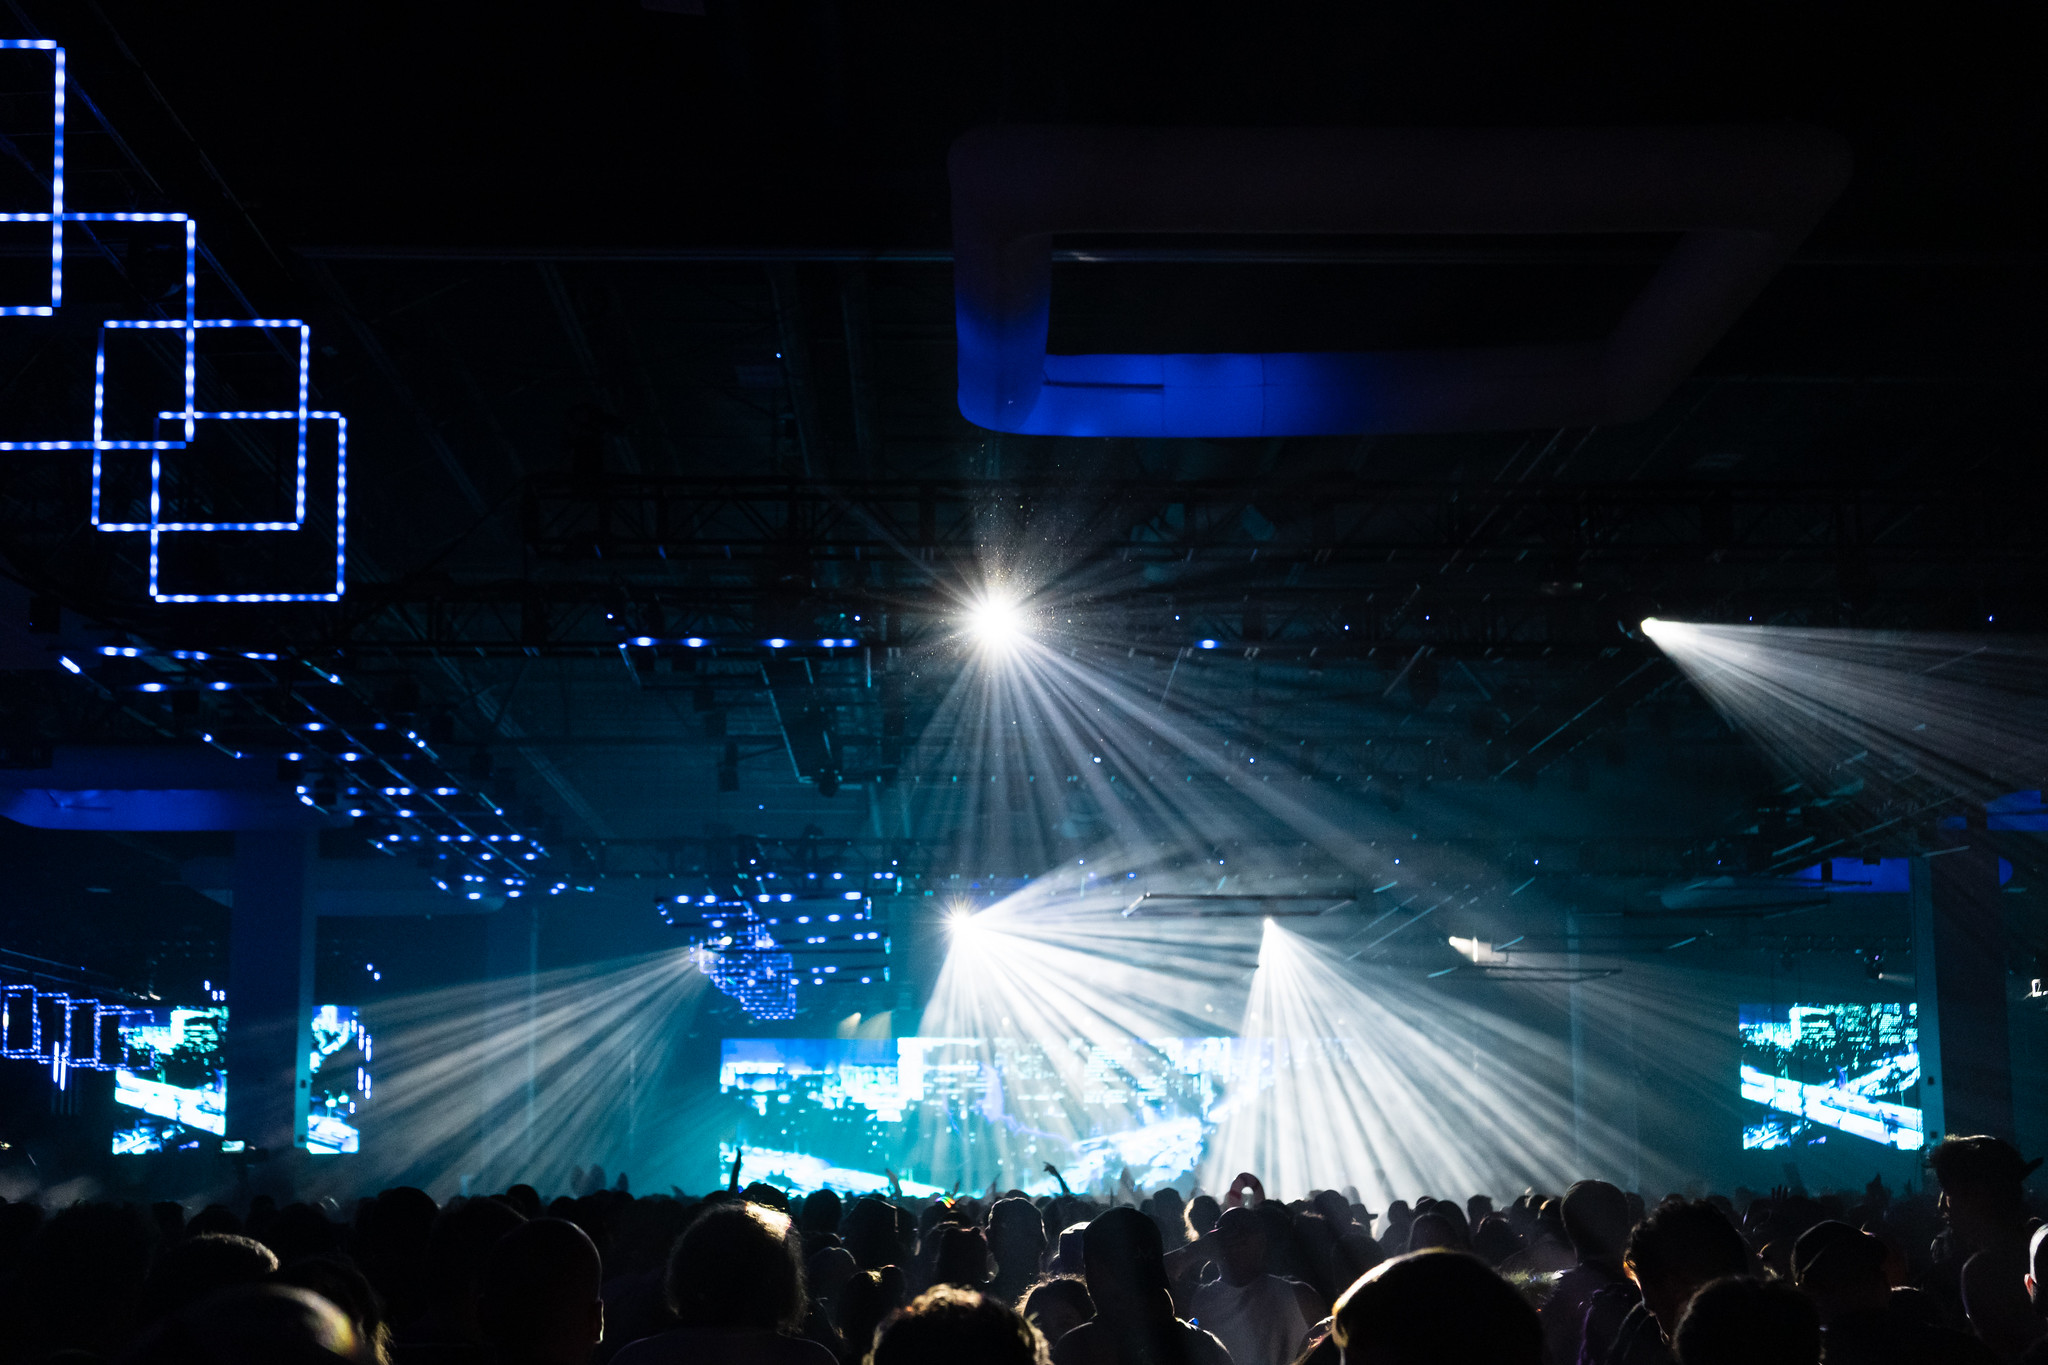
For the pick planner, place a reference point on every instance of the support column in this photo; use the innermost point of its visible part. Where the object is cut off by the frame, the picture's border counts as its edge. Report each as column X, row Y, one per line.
column 1959, row 975
column 270, row 989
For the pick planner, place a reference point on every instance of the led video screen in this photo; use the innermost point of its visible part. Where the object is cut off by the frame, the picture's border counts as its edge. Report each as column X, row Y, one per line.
column 813, row 1112
column 340, row 1082
column 173, row 1070
column 1815, row 1073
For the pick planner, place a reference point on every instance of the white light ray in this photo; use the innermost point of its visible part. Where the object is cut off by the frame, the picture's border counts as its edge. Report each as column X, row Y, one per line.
column 1878, row 719
column 487, row 1082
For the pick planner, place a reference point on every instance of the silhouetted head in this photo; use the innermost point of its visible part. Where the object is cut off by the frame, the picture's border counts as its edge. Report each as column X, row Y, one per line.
column 738, row 1266
column 200, row 1267
column 1203, row 1211
column 1493, row 1241
column 826, row 1272
column 822, row 1211
column 1743, row 1321
column 347, row 1288
column 1434, row 1230
column 865, row 1301
column 948, row 1325
column 760, row 1192
column 300, row 1230
column 1676, row 1250
column 1435, row 1308
column 541, row 1294
column 221, row 1218
column 257, row 1324
column 1841, row 1269
column 1016, row 1234
column 1335, row 1210
column 1125, row 1265
column 870, row 1233
column 1596, row 1220
column 1057, row 1306
column 1241, row 1245
column 458, row 1246
column 1980, row 1185
column 963, row 1258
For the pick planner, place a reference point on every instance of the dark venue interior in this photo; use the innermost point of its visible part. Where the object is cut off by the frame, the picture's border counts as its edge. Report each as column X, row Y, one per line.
column 771, row 680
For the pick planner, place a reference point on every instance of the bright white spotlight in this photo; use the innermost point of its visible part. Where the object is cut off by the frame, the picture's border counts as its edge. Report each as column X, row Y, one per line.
column 1665, row 632
column 997, row 622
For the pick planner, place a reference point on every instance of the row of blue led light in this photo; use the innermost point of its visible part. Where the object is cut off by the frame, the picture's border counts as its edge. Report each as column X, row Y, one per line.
column 190, row 324
column 701, row 642
column 778, row 642
column 63, row 1031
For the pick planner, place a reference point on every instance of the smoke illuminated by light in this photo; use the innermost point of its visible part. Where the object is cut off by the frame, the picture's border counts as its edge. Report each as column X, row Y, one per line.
column 1057, row 968
column 1885, row 721
column 1363, row 1078
column 492, row 1082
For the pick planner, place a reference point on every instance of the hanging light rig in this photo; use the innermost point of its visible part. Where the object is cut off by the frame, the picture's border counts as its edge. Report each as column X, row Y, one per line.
column 184, row 421
column 761, row 950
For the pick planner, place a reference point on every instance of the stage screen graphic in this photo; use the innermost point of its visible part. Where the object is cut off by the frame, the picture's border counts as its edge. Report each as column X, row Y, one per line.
column 172, row 1069
column 1812, row 1073
column 340, row 1085
column 813, row 1112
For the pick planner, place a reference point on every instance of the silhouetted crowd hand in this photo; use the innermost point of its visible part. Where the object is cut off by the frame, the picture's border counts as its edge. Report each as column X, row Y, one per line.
column 1956, row 1274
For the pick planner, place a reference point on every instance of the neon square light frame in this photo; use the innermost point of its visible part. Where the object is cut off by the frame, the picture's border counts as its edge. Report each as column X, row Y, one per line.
column 157, row 528
column 188, row 416
column 1741, row 199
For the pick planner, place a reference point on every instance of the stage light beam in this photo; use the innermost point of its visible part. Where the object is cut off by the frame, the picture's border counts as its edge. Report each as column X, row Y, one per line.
column 996, row 621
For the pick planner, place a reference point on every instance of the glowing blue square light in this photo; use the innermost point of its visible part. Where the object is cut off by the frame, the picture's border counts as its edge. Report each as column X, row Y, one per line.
column 188, row 324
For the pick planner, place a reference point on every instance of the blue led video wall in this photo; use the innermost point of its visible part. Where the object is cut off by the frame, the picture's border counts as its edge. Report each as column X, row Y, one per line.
column 1815, row 1074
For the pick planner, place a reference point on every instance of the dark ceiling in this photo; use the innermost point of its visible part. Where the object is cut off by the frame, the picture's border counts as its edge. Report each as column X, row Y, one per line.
column 642, row 320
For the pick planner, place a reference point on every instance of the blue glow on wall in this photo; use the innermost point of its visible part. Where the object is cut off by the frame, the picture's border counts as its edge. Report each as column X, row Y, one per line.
column 1739, row 200
column 184, row 420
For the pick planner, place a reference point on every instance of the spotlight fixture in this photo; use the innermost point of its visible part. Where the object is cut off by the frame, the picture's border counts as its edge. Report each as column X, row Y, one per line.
column 1664, row 632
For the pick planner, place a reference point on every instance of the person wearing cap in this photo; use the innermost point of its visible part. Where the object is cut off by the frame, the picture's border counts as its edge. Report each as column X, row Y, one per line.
column 1983, row 1204
column 1597, row 1222
column 1863, row 1321
column 1259, row 1317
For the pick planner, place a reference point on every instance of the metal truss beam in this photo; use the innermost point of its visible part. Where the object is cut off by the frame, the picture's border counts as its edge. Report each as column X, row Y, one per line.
column 636, row 519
